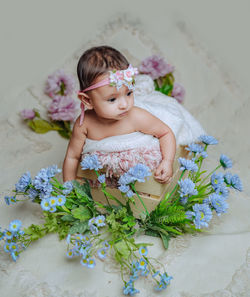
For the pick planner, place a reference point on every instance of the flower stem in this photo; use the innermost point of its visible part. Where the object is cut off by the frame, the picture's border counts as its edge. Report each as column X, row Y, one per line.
column 133, row 187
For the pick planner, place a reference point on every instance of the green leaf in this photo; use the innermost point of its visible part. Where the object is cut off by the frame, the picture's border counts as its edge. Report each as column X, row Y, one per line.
column 68, row 218
column 122, row 249
column 64, row 133
column 40, row 126
column 82, row 191
column 79, row 227
column 165, row 240
column 82, row 213
column 152, row 233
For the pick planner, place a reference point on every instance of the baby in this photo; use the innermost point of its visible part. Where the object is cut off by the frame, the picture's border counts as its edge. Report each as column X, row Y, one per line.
column 107, row 82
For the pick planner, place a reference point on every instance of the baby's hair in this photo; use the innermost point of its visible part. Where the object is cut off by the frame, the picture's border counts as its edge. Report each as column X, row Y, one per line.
column 97, row 61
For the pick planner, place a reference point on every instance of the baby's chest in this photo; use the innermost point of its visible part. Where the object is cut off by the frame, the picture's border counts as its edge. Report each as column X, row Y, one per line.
column 97, row 131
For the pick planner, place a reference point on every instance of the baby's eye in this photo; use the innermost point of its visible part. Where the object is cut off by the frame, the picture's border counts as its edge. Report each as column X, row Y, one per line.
column 129, row 93
column 111, row 99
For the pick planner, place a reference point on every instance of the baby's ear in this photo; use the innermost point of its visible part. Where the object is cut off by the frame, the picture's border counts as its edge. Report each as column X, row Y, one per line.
column 85, row 99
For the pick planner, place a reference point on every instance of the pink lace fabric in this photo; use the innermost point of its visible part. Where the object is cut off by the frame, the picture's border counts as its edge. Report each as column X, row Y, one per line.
column 117, row 163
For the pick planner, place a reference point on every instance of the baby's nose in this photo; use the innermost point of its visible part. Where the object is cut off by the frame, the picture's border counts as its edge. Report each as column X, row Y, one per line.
column 123, row 102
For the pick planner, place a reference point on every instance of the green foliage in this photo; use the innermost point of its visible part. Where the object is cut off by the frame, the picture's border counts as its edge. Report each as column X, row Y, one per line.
column 82, row 213
column 79, row 227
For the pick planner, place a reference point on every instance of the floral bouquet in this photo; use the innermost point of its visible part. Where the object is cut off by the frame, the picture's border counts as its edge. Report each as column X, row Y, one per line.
column 162, row 74
column 61, row 111
column 93, row 230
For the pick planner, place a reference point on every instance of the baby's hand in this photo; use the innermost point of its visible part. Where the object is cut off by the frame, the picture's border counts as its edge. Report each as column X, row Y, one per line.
column 164, row 172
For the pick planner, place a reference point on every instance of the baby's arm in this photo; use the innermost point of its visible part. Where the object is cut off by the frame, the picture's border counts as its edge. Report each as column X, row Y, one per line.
column 74, row 151
column 149, row 124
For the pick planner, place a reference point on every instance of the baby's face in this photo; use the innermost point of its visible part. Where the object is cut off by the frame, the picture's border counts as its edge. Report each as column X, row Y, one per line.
column 110, row 103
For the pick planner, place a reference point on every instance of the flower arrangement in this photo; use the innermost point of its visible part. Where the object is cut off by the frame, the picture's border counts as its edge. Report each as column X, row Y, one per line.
column 93, row 229
column 162, row 74
column 62, row 109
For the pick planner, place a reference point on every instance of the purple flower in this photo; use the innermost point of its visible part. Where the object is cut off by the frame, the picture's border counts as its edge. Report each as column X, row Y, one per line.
column 62, row 109
column 155, row 66
column 178, row 92
column 59, row 84
column 27, row 114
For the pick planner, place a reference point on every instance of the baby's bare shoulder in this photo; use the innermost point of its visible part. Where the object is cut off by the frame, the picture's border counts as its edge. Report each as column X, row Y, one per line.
column 139, row 113
column 80, row 129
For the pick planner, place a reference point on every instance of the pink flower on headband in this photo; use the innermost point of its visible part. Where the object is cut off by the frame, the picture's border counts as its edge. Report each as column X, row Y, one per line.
column 119, row 75
column 128, row 75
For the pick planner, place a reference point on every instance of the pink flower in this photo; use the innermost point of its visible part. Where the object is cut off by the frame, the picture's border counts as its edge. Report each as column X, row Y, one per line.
column 27, row 114
column 155, row 66
column 178, row 92
column 59, row 84
column 128, row 75
column 62, row 109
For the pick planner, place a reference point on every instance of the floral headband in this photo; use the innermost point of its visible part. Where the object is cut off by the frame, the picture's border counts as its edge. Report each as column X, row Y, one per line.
column 116, row 79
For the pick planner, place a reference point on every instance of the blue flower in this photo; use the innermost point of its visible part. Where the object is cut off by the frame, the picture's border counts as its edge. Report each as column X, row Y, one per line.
column 91, row 162
column 139, row 172
column 84, row 261
column 217, row 180
column 195, row 148
column 52, row 171
column 143, row 251
column 106, row 244
column 124, row 188
column 126, row 179
column 7, row 248
column 8, row 234
column 70, row 253
column 183, row 200
column 101, row 178
column 61, row 200
column 91, row 263
column 32, row 193
column 42, row 183
column 187, row 188
column 100, row 220
column 10, row 200
column 222, row 191
column 161, row 286
column 129, row 289
column 228, row 178
column 52, row 209
column 93, row 229
column 187, row 165
column 203, row 214
column 218, row 203
column 67, row 187
column 208, row 139
column 102, row 253
column 142, row 264
column 236, row 183
column 130, row 193
column 225, row 162
column 53, row 201
column 13, row 247
column 15, row 225
column 45, row 204
column 204, row 154
column 23, row 182
column 166, row 279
